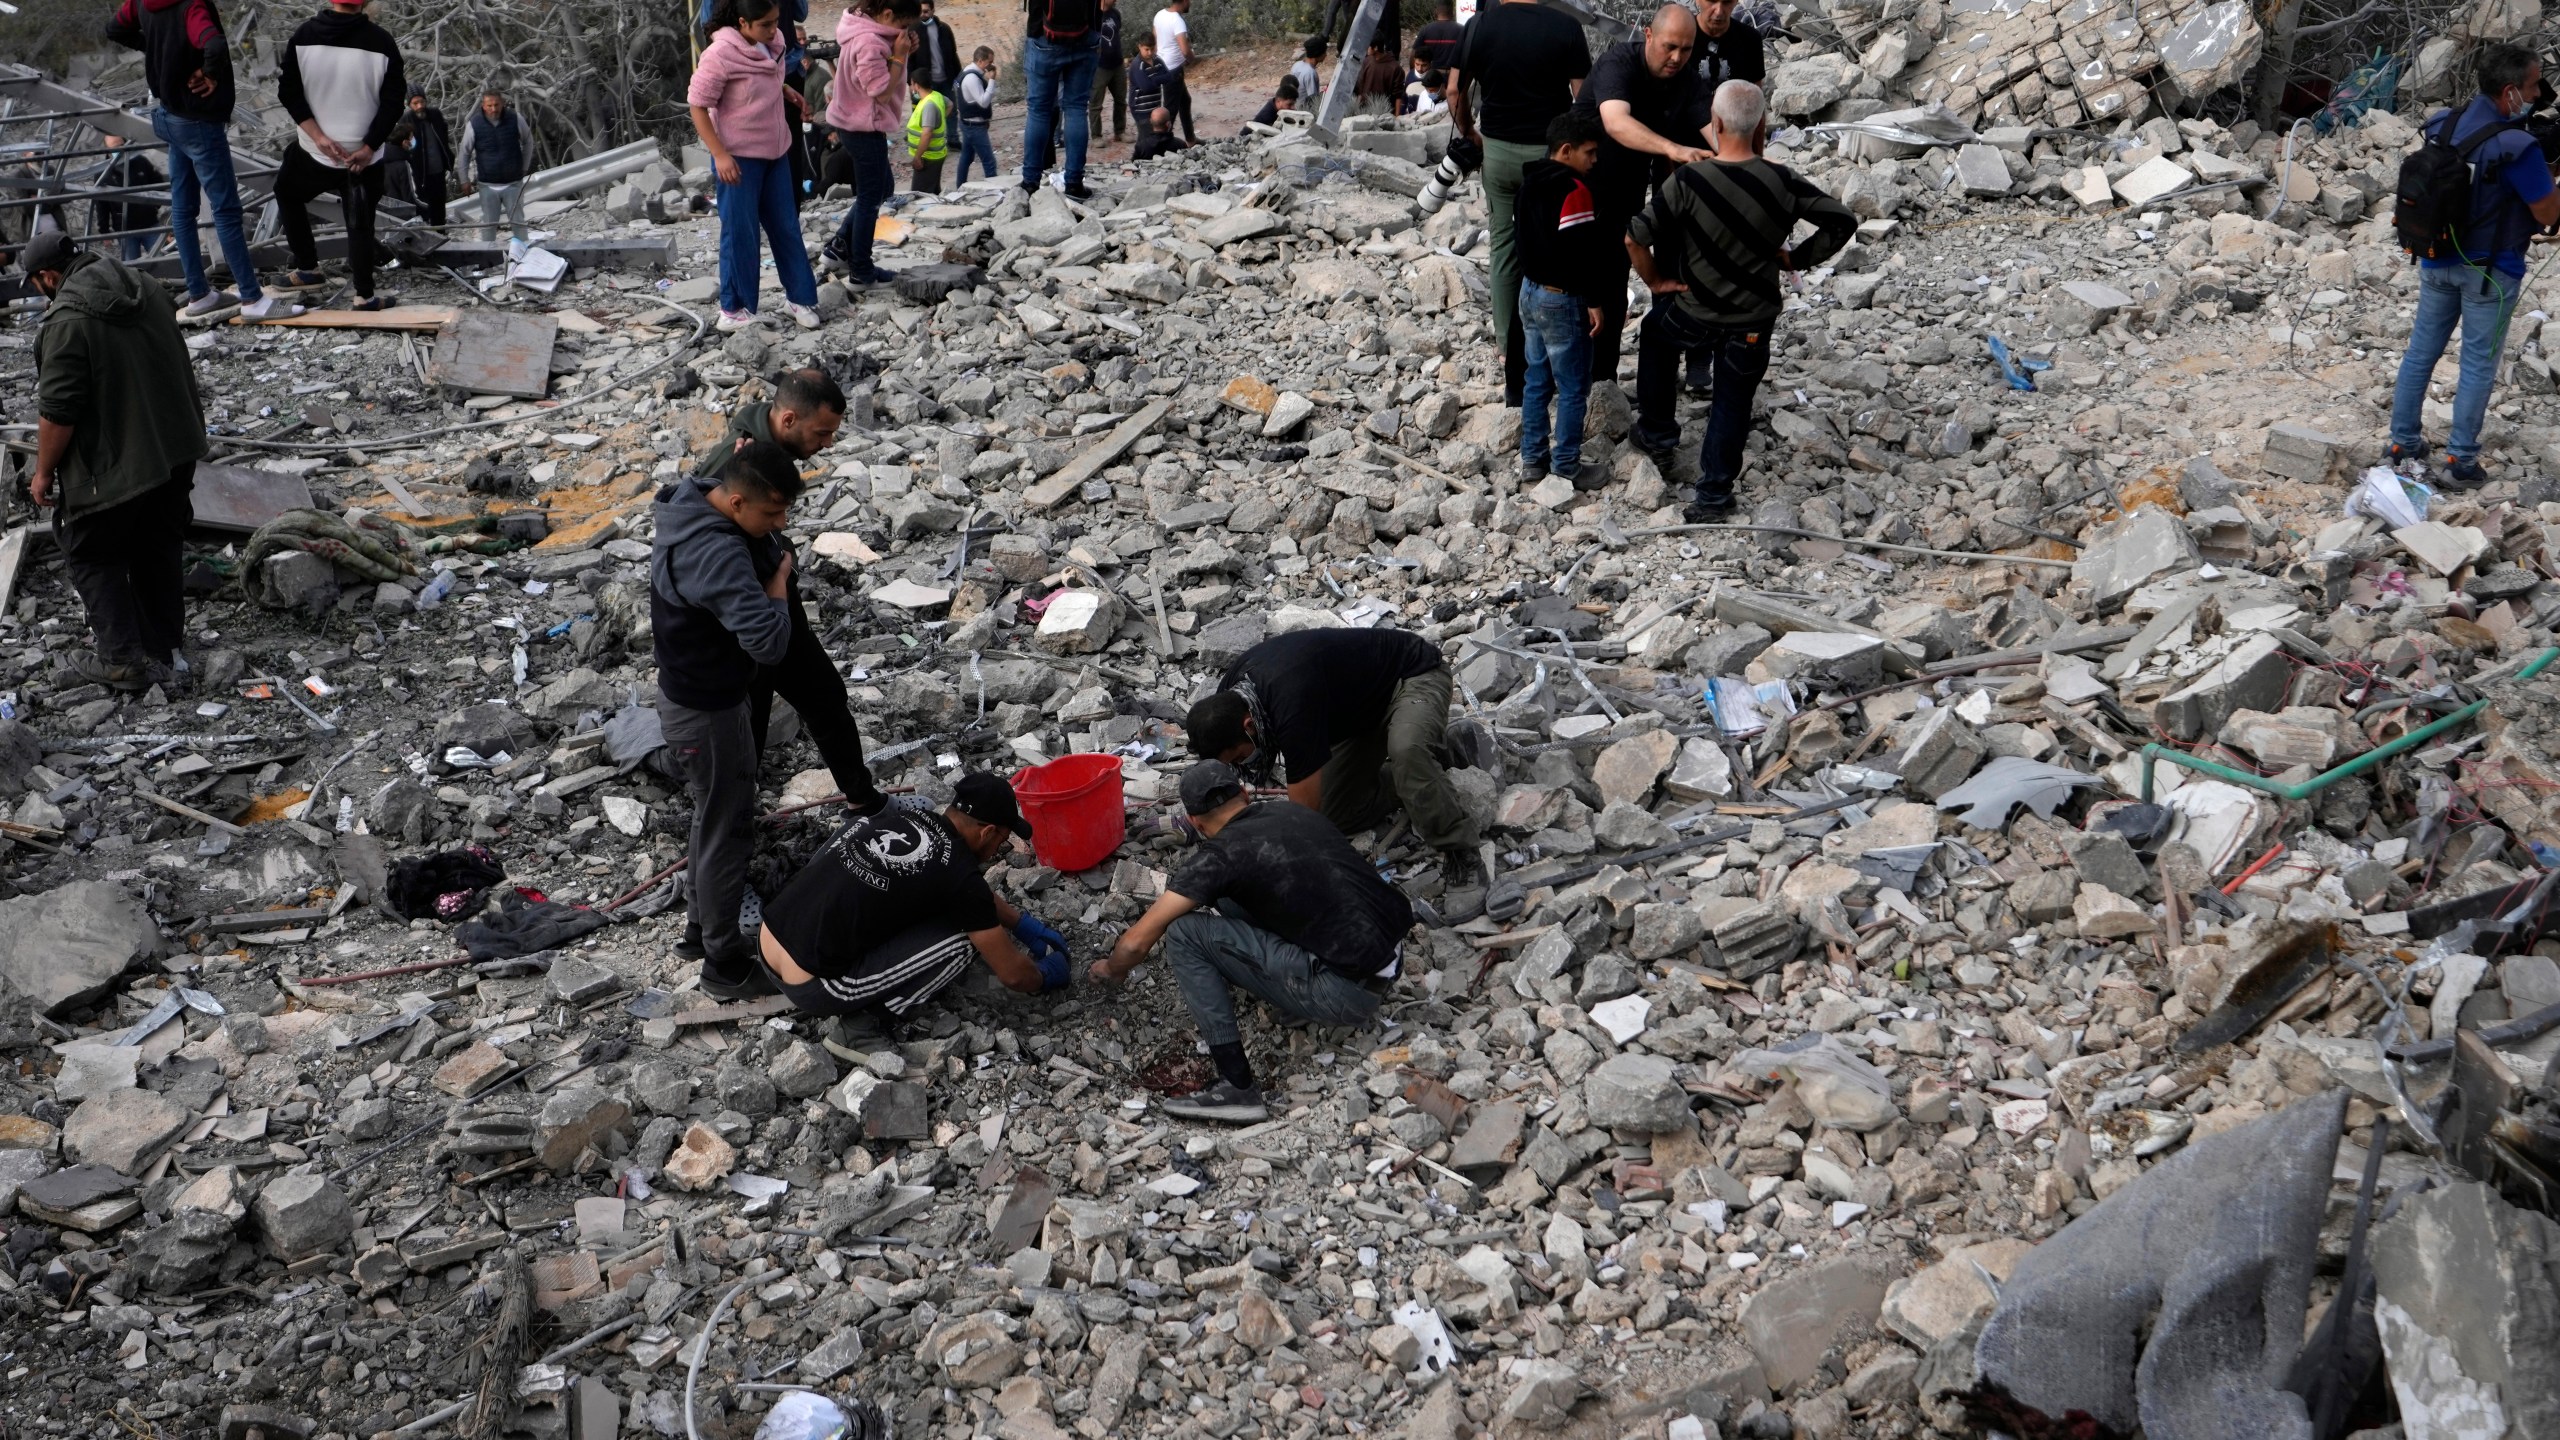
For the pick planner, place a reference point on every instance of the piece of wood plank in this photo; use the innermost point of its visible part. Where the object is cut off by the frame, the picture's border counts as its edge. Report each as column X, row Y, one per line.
column 496, row 352
column 210, row 822
column 241, row 498
column 13, row 554
column 398, row 317
column 1050, row 493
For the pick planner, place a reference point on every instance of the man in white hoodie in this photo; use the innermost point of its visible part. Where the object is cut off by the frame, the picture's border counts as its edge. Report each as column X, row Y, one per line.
column 344, row 86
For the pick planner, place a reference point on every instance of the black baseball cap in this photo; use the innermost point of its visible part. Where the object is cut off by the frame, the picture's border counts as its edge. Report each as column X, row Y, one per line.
column 989, row 801
column 1208, row 785
column 48, row 251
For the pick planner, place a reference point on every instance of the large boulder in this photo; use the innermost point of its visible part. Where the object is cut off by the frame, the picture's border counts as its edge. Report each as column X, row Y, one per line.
column 65, row 947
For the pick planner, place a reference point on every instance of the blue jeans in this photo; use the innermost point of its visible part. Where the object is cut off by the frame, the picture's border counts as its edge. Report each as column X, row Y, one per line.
column 2482, row 304
column 200, row 156
column 873, row 181
column 977, row 144
column 1209, row 953
column 1055, row 78
column 1741, row 358
column 1556, row 339
column 762, row 199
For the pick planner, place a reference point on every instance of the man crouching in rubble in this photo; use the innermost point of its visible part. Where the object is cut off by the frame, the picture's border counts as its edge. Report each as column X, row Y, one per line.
column 892, row 908
column 119, row 429
column 1276, row 901
column 726, row 623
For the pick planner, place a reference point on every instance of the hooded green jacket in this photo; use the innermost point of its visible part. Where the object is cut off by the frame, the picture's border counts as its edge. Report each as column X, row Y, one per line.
column 111, row 364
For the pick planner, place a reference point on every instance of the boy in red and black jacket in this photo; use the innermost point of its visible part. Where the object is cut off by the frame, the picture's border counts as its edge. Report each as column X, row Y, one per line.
column 1566, row 256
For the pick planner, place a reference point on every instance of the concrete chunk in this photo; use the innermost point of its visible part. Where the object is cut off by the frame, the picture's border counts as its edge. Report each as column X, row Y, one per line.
column 2252, row 677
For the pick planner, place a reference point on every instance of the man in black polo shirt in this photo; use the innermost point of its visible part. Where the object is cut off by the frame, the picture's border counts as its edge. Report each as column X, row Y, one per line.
column 1275, row 901
column 1528, row 61
column 1641, row 89
column 893, row 907
column 1359, row 718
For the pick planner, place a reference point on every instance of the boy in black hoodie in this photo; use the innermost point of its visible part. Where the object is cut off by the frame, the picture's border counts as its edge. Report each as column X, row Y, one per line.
column 1565, row 253
column 723, row 615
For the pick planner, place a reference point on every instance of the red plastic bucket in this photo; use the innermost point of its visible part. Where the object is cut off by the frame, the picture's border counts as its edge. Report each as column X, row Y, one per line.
column 1074, row 806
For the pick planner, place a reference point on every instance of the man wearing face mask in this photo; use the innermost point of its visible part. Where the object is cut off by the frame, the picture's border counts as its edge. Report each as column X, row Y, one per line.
column 119, row 429
column 893, row 907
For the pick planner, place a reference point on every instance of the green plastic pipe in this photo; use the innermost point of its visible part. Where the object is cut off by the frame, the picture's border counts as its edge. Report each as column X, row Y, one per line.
column 2153, row 754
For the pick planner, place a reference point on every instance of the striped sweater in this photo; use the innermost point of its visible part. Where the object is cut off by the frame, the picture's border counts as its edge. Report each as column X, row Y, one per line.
column 1718, row 227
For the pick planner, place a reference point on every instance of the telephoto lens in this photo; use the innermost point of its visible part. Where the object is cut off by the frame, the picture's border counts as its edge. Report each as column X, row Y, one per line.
column 1463, row 157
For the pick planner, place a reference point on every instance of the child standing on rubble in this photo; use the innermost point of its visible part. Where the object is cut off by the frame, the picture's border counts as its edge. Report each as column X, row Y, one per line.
column 1564, row 250
column 871, row 70
column 736, row 99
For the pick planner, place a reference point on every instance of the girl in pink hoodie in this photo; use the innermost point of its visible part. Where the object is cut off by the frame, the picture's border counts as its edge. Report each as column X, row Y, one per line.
column 868, row 103
column 736, row 98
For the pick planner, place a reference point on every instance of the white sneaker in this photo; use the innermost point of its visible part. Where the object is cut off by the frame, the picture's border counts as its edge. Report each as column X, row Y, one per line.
column 806, row 317
column 270, row 307
column 209, row 307
column 736, row 320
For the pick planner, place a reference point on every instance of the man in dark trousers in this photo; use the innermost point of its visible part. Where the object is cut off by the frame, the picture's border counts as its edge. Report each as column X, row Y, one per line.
column 1728, row 49
column 1710, row 247
column 894, row 907
column 430, row 154
column 497, row 151
column 1528, row 61
column 730, row 633
column 937, row 57
column 119, row 429
column 127, row 169
column 1276, row 903
column 1640, row 88
column 1359, row 719
column 344, row 86
column 186, row 60
column 1110, row 74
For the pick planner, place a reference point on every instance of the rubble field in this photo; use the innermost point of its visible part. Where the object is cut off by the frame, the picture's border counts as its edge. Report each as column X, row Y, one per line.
column 1855, row 985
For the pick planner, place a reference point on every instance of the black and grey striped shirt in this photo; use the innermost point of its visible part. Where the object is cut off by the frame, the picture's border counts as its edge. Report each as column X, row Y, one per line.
column 1718, row 227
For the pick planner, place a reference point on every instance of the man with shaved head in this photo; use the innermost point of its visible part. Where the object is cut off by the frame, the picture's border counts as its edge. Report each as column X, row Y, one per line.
column 1641, row 90
column 1709, row 247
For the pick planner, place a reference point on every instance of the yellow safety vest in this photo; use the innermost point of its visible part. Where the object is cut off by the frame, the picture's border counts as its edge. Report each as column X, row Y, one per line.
column 929, row 138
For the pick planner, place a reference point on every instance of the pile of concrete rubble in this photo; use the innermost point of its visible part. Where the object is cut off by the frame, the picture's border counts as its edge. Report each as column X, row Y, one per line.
column 1856, row 984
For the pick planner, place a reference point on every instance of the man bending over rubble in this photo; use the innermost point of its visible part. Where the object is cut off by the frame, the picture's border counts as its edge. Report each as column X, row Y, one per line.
column 1275, row 901
column 1359, row 717
column 730, row 633
column 889, row 911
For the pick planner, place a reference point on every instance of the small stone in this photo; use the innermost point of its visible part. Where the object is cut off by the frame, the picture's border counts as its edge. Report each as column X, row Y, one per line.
column 1636, row 1092
column 571, row 1121
column 301, row 1215
column 122, row 1129
column 701, row 1159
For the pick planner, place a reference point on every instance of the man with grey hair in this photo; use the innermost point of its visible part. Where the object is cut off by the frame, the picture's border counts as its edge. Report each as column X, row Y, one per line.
column 1709, row 247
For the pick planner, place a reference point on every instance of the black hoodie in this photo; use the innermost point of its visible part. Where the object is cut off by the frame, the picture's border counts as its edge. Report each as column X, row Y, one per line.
column 710, row 620
column 1562, row 242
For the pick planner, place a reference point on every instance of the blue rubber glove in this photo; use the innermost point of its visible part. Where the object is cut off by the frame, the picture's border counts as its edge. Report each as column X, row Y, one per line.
column 1038, row 935
column 1054, row 974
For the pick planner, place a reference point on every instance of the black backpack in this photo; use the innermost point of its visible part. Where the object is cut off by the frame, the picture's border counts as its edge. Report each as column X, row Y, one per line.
column 2434, row 195
column 1069, row 19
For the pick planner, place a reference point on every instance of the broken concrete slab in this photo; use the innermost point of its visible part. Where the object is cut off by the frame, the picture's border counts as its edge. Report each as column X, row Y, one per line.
column 65, row 947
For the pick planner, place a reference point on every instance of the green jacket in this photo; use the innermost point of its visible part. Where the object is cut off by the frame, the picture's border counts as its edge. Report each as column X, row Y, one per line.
column 754, row 422
column 111, row 364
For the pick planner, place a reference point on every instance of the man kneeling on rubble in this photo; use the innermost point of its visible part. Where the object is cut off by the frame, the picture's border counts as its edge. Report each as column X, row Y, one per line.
column 889, row 911
column 1276, row 901
column 1360, row 717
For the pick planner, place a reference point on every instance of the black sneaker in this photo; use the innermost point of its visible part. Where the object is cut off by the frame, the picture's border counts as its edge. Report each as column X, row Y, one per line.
column 690, row 946
column 128, row 677
column 835, row 257
column 851, row 1038
column 1708, row 512
column 738, row 980
column 1075, row 191
column 1224, row 1103
column 2461, row 474
column 1585, row 478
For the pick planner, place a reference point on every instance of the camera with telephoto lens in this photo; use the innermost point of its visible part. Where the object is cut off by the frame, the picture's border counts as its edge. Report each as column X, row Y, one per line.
column 1464, row 157
column 821, row 49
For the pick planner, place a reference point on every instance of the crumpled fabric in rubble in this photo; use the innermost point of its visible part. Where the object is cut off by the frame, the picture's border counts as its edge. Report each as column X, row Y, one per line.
column 443, row 886
column 2176, row 1306
column 525, row 926
column 370, row 545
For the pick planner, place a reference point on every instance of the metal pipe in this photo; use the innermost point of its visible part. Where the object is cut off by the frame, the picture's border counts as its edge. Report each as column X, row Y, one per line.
column 2152, row 754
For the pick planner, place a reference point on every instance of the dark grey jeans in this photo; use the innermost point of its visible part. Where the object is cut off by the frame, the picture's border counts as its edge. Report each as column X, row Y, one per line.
column 1210, row 953
column 715, row 751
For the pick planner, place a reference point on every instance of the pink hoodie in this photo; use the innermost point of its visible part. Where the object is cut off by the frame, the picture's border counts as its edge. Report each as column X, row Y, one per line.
column 740, row 83
column 871, row 89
